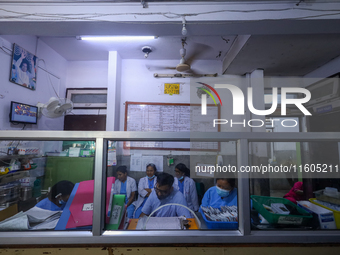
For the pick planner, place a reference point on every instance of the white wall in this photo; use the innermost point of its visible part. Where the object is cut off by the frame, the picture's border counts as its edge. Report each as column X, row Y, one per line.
column 139, row 85
column 87, row 74
column 53, row 62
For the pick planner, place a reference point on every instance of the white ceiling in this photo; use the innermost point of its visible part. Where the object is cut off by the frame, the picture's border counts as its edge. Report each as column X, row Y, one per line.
column 280, row 47
column 164, row 47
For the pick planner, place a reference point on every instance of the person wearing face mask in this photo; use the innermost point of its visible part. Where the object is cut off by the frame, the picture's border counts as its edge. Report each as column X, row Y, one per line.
column 145, row 187
column 165, row 193
column 126, row 185
column 223, row 194
column 58, row 196
column 186, row 186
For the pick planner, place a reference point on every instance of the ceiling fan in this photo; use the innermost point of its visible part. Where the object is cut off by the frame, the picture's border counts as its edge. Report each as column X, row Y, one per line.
column 185, row 63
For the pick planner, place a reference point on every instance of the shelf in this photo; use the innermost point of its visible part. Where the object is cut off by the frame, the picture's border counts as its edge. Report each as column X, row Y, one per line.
column 13, row 176
column 3, row 156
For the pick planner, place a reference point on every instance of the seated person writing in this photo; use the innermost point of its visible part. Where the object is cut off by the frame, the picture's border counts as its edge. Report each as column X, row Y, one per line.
column 164, row 193
column 58, row 196
column 223, row 194
column 126, row 185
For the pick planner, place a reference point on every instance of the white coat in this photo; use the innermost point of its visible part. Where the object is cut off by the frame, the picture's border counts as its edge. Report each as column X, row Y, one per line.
column 142, row 185
column 189, row 192
column 130, row 186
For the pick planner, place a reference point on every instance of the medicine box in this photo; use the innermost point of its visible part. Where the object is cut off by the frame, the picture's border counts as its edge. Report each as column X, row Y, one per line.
column 326, row 217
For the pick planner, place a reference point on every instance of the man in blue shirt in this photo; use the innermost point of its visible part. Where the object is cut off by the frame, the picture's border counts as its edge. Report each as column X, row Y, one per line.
column 162, row 194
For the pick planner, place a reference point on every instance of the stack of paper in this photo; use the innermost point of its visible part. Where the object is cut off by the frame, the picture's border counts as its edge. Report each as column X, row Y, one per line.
column 159, row 223
column 33, row 219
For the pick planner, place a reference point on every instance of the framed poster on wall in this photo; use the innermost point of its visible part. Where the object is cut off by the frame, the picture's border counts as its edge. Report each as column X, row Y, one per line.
column 23, row 69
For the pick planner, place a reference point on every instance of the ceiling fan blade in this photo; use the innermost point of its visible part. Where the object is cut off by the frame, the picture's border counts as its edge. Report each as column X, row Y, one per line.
column 156, row 68
column 198, row 50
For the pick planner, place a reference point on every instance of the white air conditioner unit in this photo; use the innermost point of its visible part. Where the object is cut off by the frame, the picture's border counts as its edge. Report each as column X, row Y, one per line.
column 327, row 91
column 327, row 106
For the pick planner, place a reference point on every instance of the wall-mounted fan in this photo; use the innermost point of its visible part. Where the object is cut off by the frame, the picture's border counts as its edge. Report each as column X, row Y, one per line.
column 55, row 107
column 186, row 62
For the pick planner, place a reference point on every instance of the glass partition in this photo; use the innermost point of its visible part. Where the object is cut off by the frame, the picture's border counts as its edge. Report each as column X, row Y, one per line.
column 294, row 185
column 46, row 185
column 148, row 186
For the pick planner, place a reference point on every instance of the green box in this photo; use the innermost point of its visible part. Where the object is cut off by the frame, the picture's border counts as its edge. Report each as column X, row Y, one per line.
column 116, row 212
column 273, row 218
column 85, row 153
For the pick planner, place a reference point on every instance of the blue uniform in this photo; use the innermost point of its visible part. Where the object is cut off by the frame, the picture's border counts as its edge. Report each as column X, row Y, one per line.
column 123, row 191
column 49, row 205
column 131, row 207
column 181, row 186
column 211, row 198
column 168, row 211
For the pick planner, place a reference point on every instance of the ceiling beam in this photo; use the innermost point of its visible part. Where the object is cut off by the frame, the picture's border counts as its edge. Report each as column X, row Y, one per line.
column 235, row 48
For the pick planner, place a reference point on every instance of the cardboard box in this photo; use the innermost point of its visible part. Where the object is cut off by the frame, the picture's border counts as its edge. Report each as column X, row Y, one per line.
column 326, row 217
column 8, row 212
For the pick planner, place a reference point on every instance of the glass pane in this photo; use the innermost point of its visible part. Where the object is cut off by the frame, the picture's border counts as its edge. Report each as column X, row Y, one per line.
column 45, row 186
column 89, row 98
column 141, row 181
column 294, row 185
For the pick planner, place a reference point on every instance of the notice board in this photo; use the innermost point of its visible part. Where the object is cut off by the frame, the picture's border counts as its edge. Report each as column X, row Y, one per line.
column 167, row 117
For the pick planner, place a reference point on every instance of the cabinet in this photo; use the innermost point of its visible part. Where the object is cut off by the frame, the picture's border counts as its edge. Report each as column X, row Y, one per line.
column 74, row 169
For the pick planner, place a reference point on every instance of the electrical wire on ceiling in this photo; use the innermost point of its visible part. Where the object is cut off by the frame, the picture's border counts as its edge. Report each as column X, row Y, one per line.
column 169, row 15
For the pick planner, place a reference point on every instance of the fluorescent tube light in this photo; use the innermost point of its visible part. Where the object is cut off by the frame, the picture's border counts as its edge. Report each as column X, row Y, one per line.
column 116, row 38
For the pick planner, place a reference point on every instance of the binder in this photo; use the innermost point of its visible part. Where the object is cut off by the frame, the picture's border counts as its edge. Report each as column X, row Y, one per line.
column 117, row 212
column 78, row 212
column 82, row 206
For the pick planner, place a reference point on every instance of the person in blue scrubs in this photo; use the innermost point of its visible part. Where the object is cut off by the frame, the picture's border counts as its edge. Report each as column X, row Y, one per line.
column 126, row 185
column 145, row 187
column 186, row 186
column 58, row 196
column 223, row 194
column 163, row 194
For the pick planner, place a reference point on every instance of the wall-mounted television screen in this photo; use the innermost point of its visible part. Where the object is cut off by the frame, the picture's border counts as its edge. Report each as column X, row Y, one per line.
column 23, row 113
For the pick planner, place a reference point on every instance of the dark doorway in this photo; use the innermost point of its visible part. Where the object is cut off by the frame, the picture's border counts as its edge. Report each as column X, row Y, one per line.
column 85, row 122
column 325, row 152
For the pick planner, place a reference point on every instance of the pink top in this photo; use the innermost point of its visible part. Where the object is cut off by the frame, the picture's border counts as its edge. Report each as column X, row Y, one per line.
column 292, row 196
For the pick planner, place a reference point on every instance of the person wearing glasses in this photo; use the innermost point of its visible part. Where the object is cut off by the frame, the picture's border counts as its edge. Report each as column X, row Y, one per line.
column 186, row 186
column 145, row 187
column 126, row 185
column 163, row 194
column 223, row 194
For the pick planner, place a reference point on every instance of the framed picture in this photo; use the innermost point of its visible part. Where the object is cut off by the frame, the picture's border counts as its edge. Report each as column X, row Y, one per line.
column 87, row 98
column 23, row 70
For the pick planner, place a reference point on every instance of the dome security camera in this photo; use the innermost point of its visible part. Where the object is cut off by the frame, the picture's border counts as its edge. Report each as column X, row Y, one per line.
column 146, row 50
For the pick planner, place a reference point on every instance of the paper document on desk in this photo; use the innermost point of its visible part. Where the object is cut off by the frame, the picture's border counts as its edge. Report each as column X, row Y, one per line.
column 37, row 215
column 29, row 220
column 159, row 223
column 16, row 222
column 51, row 224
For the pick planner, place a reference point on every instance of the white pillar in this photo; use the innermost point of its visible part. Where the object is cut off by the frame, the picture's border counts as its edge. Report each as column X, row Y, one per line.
column 113, row 91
